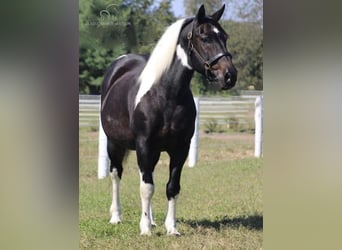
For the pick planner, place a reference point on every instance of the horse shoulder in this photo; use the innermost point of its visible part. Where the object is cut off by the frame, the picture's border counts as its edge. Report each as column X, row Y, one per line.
column 184, row 115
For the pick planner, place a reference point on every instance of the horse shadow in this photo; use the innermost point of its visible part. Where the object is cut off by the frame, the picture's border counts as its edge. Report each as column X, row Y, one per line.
column 253, row 222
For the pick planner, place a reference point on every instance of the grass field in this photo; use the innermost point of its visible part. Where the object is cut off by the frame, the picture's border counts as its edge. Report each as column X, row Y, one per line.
column 219, row 207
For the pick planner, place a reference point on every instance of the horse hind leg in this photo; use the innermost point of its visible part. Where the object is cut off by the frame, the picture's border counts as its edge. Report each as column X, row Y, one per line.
column 116, row 155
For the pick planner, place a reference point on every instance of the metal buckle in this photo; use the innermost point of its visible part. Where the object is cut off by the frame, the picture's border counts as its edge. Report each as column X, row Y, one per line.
column 189, row 36
column 207, row 65
column 191, row 46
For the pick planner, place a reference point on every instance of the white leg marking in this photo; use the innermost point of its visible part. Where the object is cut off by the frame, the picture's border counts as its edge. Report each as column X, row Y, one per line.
column 115, row 208
column 146, row 193
column 181, row 54
column 170, row 222
column 153, row 223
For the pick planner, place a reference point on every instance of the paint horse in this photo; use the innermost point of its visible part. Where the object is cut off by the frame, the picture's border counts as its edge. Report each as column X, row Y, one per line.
column 147, row 106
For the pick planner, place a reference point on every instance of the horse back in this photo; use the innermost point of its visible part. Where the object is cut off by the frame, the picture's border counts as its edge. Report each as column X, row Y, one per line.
column 127, row 64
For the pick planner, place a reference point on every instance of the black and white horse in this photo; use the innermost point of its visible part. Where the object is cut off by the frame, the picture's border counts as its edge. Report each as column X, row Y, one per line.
column 147, row 106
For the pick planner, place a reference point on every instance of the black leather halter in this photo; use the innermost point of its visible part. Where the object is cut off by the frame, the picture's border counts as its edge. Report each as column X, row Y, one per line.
column 206, row 63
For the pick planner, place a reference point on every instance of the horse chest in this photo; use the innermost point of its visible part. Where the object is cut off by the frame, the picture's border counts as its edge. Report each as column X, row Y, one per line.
column 176, row 122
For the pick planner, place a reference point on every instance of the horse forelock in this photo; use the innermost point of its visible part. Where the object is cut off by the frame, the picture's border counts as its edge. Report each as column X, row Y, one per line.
column 160, row 59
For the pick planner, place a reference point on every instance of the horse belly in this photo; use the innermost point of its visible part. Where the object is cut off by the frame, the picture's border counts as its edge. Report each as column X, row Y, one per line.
column 118, row 130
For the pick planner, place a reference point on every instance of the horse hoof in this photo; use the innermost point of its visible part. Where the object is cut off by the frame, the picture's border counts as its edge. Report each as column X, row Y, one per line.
column 173, row 232
column 145, row 230
column 115, row 221
column 147, row 233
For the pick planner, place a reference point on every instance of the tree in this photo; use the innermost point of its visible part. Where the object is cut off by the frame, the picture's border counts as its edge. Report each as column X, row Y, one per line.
column 146, row 24
column 246, row 45
column 246, row 41
column 251, row 11
column 101, row 23
column 110, row 28
column 192, row 6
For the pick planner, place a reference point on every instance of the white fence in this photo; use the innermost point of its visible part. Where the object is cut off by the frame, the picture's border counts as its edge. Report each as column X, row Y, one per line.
column 225, row 111
column 89, row 110
column 238, row 112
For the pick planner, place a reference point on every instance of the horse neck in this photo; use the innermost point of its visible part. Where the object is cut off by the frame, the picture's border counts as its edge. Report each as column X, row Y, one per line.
column 180, row 73
column 176, row 80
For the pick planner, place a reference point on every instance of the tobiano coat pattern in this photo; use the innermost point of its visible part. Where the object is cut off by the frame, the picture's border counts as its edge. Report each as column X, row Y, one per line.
column 147, row 106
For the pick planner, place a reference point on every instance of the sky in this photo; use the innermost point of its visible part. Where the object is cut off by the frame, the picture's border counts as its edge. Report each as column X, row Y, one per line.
column 179, row 10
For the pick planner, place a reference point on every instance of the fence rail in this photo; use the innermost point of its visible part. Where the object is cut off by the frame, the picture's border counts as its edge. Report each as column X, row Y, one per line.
column 245, row 110
column 224, row 110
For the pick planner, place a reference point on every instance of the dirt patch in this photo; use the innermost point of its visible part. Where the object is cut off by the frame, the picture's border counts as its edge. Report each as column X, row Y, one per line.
column 225, row 136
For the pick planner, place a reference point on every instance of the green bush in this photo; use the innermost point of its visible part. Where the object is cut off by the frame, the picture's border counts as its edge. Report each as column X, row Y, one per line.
column 212, row 126
column 240, row 125
column 233, row 123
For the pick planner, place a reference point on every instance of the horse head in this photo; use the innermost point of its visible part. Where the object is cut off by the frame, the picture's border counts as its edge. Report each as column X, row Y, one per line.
column 206, row 41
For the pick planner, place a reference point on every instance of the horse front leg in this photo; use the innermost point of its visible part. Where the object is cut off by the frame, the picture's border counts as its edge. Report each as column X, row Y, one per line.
column 177, row 160
column 146, row 193
column 147, row 159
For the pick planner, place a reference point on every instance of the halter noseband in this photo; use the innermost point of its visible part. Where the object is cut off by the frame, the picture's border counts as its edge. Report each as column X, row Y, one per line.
column 206, row 63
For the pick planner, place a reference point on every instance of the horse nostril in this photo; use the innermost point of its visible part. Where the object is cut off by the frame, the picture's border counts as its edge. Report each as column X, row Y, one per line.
column 227, row 76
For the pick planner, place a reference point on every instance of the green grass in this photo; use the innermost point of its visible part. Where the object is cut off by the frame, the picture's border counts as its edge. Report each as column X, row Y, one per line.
column 219, row 207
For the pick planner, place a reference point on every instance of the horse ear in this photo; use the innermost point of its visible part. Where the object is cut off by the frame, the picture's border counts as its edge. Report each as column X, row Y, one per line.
column 217, row 15
column 201, row 13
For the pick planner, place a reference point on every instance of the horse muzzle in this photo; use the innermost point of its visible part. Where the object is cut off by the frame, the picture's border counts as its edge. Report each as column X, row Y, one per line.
column 229, row 81
column 225, row 80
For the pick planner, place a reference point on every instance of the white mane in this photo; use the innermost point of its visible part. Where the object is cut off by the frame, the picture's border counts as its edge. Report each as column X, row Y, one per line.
column 160, row 59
